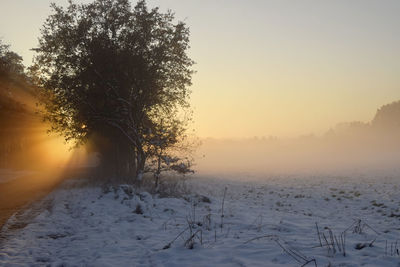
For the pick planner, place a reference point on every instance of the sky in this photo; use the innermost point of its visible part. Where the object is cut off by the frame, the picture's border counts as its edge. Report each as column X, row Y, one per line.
column 268, row 68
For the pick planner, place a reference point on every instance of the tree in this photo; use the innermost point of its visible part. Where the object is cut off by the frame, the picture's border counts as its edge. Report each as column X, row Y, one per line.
column 387, row 118
column 168, row 148
column 15, row 116
column 107, row 71
column 10, row 63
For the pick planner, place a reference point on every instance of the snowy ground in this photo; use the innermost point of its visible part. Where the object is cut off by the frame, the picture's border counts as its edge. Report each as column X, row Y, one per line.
column 269, row 222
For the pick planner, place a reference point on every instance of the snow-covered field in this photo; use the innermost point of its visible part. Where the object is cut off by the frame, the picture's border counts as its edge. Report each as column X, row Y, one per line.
column 266, row 222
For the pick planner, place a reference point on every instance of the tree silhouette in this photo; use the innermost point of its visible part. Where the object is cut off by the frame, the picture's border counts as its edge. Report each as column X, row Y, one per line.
column 108, row 72
column 15, row 117
column 10, row 63
column 168, row 148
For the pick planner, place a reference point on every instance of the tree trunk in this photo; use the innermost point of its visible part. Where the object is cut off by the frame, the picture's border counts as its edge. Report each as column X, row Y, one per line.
column 117, row 160
column 141, row 160
column 158, row 172
column 125, row 166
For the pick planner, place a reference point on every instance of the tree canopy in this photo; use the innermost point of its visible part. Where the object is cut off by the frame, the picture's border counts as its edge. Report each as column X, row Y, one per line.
column 10, row 62
column 111, row 72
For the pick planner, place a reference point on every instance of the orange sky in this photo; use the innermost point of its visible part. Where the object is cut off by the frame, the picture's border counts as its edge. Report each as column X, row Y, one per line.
column 280, row 68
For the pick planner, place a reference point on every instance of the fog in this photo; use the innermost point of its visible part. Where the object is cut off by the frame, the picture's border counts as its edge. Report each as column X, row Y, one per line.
column 347, row 148
column 25, row 142
column 303, row 155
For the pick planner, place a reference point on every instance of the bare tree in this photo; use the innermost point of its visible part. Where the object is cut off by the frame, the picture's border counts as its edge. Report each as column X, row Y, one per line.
column 169, row 148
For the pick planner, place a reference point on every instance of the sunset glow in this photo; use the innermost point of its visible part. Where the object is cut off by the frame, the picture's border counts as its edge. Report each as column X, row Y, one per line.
column 281, row 68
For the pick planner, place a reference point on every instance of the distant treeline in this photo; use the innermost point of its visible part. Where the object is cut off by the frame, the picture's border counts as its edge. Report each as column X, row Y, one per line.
column 349, row 146
column 386, row 121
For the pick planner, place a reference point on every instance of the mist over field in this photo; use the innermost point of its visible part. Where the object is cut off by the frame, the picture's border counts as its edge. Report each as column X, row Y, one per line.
column 354, row 147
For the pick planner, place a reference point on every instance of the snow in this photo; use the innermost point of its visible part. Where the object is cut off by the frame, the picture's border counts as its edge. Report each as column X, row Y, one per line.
column 266, row 222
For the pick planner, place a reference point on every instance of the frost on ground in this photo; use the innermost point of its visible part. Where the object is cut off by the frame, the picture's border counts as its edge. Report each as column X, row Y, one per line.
column 281, row 221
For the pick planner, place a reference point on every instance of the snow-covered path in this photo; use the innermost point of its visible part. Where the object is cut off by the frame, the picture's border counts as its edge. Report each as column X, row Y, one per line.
column 269, row 222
